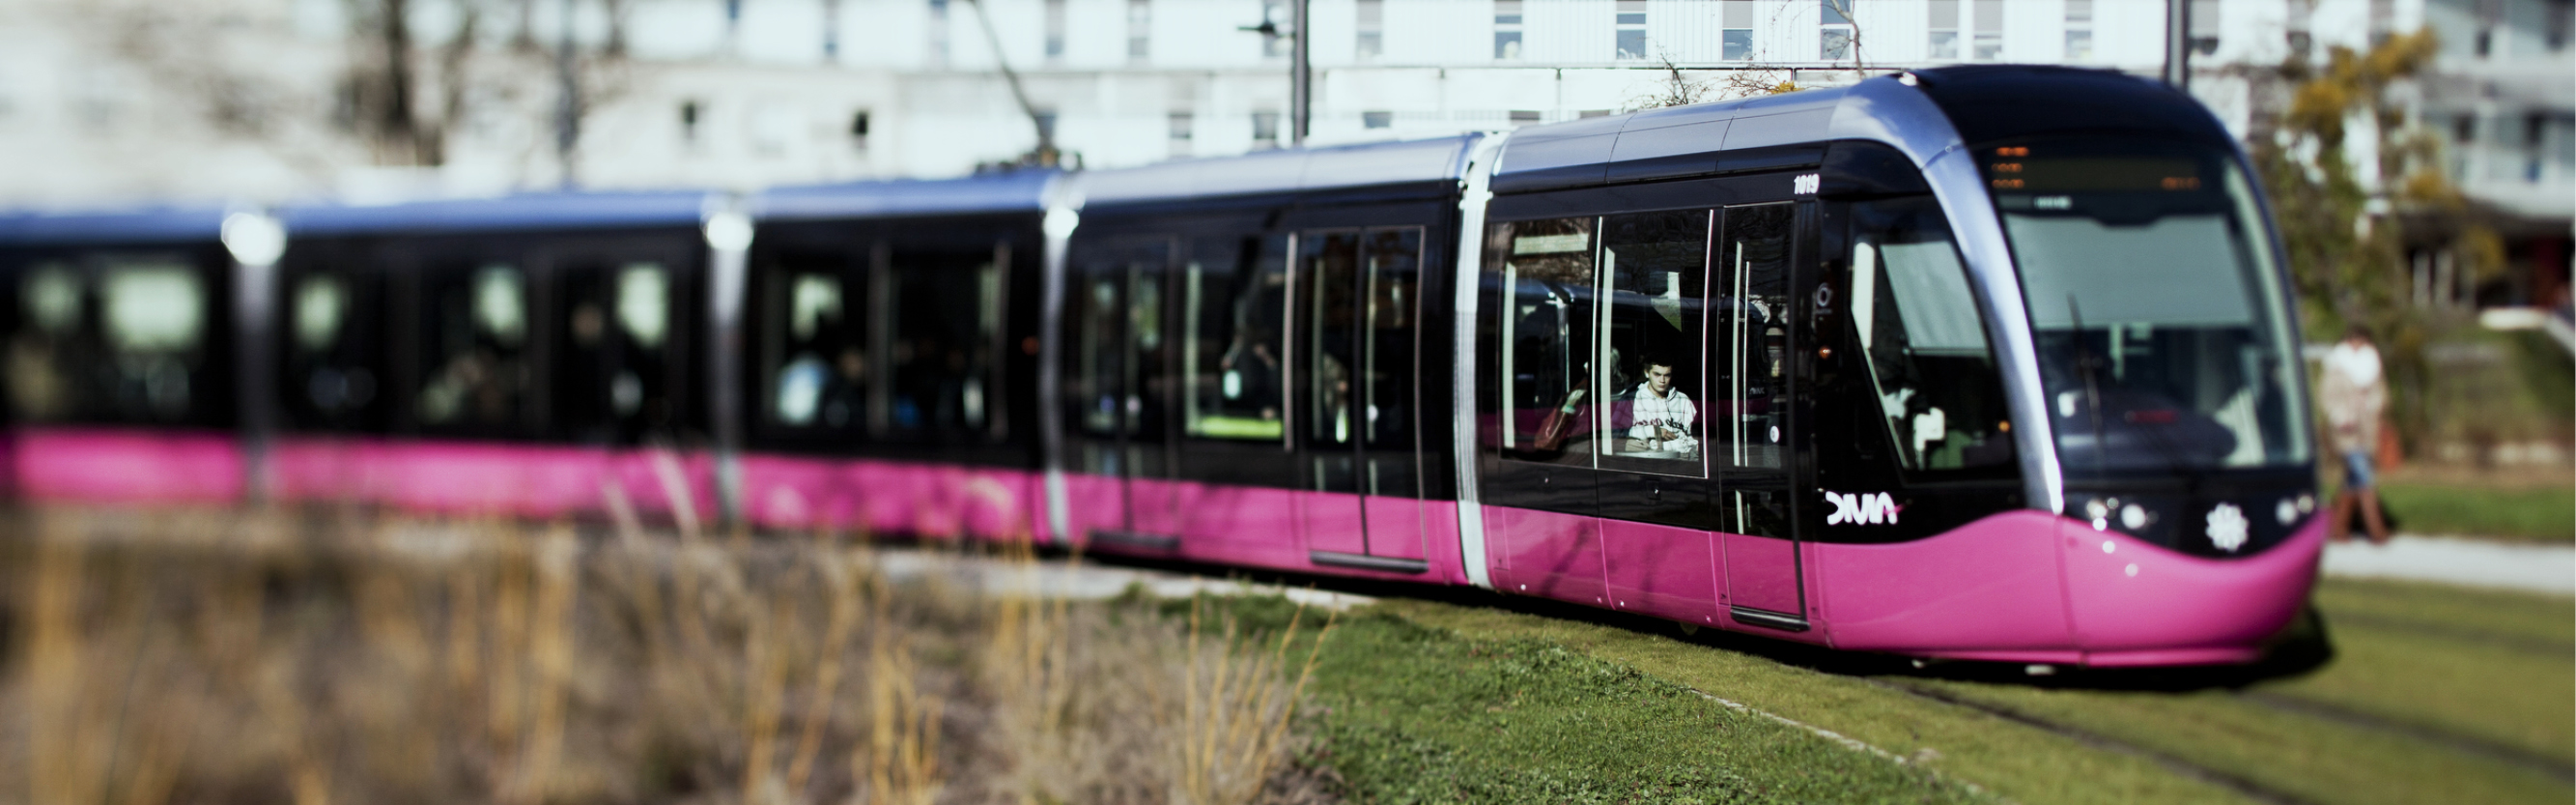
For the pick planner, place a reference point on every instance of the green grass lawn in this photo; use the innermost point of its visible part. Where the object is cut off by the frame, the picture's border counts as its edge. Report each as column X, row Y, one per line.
column 1412, row 711
column 2545, row 514
column 1434, row 702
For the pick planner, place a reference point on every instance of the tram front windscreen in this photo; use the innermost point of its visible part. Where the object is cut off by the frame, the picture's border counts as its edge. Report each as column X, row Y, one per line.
column 2163, row 331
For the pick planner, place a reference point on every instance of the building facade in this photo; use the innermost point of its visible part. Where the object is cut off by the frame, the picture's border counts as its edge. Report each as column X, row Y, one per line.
column 131, row 101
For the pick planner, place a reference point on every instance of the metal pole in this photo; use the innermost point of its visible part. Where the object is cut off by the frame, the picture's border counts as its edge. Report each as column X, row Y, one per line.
column 1301, row 90
column 568, row 107
column 2178, row 44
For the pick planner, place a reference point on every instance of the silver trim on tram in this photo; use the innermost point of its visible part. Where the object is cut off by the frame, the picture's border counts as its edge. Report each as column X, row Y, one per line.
column 728, row 227
column 1063, row 195
column 1476, row 179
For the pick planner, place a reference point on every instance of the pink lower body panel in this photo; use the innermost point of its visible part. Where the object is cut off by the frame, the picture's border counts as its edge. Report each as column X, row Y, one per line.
column 128, row 467
column 1546, row 554
column 488, row 478
column 2134, row 603
column 925, row 500
column 1987, row 590
column 1762, row 573
column 1661, row 570
column 1996, row 590
column 1269, row 528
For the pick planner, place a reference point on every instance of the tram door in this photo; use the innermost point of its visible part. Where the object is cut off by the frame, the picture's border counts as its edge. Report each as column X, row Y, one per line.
column 1119, row 381
column 1756, row 438
column 1358, row 309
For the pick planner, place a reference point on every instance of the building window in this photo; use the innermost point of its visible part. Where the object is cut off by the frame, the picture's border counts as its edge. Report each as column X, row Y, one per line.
column 1523, row 117
column 1372, row 30
column 1990, row 30
column 1377, row 120
column 1054, row 31
column 1944, row 25
column 1265, row 130
column 1835, row 34
column 1140, row 29
column 2079, row 30
column 1632, row 29
column 859, row 129
column 1737, row 35
column 2204, row 27
column 1183, row 131
column 1507, row 29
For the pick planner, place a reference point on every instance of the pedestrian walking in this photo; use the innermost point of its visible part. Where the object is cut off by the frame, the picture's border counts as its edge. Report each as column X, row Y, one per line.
column 2355, row 395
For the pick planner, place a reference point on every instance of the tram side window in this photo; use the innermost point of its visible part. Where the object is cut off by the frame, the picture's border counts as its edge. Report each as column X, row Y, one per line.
column 1749, row 409
column 44, row 382
column 331, row 369
column 944, row 318
column 122, row 339
column 477, row 351
column 1235, row 296
column 1929, row 365
column 813, row 356
column 1656, row 268
column 1544, row 317
column 612, row 375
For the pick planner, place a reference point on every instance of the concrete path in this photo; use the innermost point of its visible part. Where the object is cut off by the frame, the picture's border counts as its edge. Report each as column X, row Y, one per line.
column 1083, row 580
column 2479, row 563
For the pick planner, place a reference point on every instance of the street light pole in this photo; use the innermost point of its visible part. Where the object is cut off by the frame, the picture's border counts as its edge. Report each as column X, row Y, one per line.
column 2178, row 44
column 1301, row 89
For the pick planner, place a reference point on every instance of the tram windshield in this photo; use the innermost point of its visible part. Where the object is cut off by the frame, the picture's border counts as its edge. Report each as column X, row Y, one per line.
column 2164, row 337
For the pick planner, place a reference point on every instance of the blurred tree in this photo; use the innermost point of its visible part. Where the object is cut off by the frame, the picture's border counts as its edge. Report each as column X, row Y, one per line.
column 407, row 92
column 2347, row 233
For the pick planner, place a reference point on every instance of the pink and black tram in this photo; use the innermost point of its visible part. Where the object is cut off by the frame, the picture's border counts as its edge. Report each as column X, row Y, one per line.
column 1989, row 363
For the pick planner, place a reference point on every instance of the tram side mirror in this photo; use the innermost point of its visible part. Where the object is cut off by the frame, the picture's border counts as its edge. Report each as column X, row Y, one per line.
column 1860, row 169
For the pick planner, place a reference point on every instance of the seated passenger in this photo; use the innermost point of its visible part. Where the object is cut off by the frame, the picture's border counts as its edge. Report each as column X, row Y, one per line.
column 1661, row 417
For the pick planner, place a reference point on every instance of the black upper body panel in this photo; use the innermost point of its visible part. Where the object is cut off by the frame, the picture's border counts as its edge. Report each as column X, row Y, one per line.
column 1989, row 103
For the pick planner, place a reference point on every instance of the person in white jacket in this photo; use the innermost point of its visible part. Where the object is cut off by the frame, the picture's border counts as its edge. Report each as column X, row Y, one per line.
column 2355, row 397
column 1660, row 416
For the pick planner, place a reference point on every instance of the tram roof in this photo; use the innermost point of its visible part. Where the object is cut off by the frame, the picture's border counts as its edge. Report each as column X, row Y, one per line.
column 1769, row 131
column 1981, row 103
column 1393, row 166
column 529, row 211
column 1002, row 192
column 156, row 225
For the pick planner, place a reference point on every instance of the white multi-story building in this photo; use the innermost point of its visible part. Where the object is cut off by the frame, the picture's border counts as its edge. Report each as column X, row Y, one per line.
column 116, row 101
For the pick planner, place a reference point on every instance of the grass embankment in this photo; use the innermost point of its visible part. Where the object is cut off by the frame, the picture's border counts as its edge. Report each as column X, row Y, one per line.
column 2544, row 513
column 2438, row 694
column 219, row 658
column 1421, row 714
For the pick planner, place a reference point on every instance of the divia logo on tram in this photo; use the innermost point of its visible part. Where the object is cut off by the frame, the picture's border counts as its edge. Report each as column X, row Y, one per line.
column 1862, row 508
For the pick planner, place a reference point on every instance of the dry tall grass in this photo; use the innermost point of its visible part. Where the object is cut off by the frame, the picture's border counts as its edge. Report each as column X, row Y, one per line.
column 221, row 657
